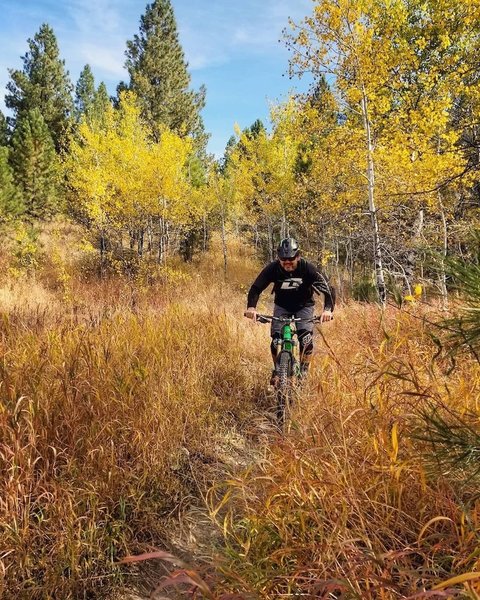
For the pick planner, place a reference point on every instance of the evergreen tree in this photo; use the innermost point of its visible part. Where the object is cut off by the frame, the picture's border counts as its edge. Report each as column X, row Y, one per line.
column 159, row 76
column 255, row 129
column 322, row 99
column 84, row 93
column 4, row 133
column 35, row 165
column 43, row 84
column 10, row 199
column 100, row 104
column 225, row 160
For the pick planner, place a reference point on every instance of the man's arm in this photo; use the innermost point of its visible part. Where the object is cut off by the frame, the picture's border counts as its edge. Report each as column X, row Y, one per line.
column 321, row 285
column 264, row 279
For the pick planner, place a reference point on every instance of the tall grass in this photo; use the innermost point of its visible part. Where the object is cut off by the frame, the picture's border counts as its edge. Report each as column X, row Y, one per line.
column 112, row 413
column 119, row 399
column 347, row 505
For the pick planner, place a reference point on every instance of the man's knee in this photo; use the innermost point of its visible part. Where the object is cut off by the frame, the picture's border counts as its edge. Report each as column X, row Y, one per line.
column 274, row 344
column 306, row 342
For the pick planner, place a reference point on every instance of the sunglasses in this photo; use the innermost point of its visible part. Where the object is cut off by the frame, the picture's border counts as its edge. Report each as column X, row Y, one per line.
column 288, row 259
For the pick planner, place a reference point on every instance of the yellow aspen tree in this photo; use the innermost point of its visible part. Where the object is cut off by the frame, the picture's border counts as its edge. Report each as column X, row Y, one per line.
column 121, row 178
column 395, row 66
column 280, row 156
column 88, row 166
column 330, row 182
column 167, row 178
column 421, row 150
column 225, row 198
column 349, row 39
column 247, row 172
column 264, row 167
column 171, row 195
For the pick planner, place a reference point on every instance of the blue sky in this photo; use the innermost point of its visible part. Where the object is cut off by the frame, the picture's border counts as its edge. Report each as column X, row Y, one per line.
column 231, row 46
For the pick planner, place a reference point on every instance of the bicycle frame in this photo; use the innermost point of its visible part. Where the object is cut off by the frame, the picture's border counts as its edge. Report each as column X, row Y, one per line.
column 288, row 332
column 287, row 362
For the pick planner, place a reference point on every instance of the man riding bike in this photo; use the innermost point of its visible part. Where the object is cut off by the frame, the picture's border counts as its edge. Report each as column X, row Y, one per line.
column 294, row 282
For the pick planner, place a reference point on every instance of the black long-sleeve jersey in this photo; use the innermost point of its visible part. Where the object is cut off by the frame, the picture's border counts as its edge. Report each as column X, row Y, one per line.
column 293, row 290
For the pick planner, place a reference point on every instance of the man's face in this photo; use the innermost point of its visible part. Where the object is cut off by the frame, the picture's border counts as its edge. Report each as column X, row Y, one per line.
column 289, row 264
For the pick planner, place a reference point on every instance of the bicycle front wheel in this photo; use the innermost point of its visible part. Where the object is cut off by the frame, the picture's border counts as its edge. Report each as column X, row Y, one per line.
column 284, row 386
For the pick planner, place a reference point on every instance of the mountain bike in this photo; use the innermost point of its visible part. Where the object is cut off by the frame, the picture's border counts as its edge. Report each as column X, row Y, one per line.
column 287, row 364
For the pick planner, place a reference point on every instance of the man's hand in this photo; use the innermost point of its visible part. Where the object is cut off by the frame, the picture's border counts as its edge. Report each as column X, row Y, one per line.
column 327, row 315
column 251, row 313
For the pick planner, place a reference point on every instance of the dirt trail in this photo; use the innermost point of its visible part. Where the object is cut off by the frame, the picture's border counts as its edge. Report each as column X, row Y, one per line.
column 195, row 535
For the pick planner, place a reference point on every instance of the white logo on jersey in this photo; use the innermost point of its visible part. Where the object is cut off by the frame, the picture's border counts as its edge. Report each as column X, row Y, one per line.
column 291, row 284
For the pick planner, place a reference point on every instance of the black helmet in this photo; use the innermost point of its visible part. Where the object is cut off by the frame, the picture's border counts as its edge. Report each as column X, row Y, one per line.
column 288, row 248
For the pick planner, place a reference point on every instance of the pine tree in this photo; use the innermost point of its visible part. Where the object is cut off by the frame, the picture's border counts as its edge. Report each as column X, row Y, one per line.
column 255, row 129
column 225, row 160
column 43, row 84
column 84, row 93
column 322, row 99
column 101, row 103
column 4, row 133
column 35, row 165
column 159, row 76
column 10, row 199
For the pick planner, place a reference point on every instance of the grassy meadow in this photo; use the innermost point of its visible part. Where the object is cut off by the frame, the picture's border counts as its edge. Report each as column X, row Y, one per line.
column 356, row 502
column 126, row 400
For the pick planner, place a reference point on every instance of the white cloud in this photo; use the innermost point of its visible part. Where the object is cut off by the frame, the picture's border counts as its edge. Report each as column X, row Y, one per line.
column 100, row 16
column 98, row 36
column 219, row 31
column 241, row 36
column 103, row 58
column 204, row 61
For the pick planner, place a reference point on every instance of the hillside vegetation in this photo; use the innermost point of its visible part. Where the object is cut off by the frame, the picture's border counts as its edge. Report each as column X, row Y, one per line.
column 135, row 414
column 114, row 397
column 125, row 401
column 358, row 502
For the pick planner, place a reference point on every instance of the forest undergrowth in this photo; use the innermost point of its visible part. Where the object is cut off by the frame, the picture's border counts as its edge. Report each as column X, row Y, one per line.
column 122, row 402
column 357, row 502
column 117, row 400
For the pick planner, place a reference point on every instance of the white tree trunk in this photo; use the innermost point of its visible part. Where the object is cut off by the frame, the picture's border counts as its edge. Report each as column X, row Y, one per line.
column 380, row 278
column 270, row 239
column 443, row 275
column 224, row 244
column 283, row 228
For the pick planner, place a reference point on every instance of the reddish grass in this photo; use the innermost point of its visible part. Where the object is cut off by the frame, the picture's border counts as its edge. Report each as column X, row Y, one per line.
column 345, row 506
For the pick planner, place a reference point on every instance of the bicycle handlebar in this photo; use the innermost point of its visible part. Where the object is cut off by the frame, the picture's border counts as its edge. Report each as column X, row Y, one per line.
column 268, row 318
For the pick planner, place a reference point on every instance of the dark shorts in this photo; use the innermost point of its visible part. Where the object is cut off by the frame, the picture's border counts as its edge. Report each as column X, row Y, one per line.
column 304, row 313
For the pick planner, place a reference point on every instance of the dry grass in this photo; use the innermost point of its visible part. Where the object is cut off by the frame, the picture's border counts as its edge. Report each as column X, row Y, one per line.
column 117, row 400
column 345, row 506
column 118, row 403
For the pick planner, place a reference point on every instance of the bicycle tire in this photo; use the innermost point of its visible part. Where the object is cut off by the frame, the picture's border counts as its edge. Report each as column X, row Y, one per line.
column 284, row 386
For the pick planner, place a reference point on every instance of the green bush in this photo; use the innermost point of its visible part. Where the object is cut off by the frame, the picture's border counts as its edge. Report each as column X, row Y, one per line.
column 364, row 290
